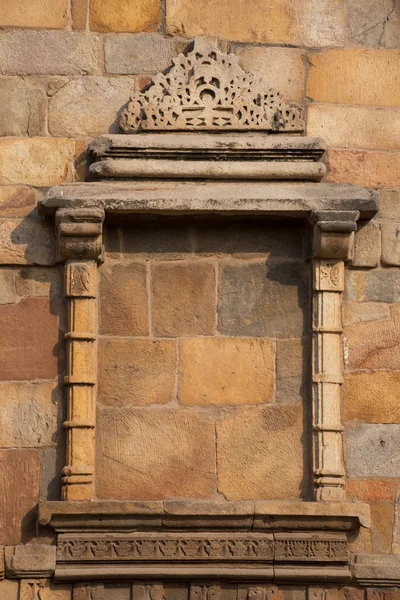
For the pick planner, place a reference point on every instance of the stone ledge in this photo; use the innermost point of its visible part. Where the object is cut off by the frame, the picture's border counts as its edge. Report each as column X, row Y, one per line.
column 376, row 570
column 198, row 515
column 174, row 198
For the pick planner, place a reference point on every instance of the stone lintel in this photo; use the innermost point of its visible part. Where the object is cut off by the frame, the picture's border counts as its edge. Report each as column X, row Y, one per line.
column 203, row 515
column 376, row 570
column 175, row 198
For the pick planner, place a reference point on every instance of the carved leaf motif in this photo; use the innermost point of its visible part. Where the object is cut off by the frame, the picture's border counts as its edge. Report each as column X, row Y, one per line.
column 208, row 90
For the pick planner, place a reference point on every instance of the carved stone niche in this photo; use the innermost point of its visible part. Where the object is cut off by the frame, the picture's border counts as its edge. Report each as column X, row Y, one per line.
column 209, row 140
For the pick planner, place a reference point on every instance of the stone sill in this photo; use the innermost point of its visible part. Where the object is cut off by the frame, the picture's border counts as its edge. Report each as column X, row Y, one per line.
column 175, row 198
column 197, row 515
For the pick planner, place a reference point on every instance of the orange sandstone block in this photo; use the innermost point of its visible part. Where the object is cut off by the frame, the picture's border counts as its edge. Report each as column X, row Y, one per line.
column 51, row 14
column 125, row 15
column 369, row 169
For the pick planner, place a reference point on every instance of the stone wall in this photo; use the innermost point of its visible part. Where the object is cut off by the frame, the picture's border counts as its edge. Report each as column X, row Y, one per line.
column 67, row 67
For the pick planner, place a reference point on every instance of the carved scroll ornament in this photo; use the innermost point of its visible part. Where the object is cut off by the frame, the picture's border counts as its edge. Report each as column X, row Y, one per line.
column 208, row 90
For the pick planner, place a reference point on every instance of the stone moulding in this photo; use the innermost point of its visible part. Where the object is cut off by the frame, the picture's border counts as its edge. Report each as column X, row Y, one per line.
column 207, row 89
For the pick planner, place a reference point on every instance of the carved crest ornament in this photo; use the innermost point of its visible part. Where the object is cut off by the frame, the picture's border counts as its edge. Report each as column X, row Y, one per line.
column 208, row 90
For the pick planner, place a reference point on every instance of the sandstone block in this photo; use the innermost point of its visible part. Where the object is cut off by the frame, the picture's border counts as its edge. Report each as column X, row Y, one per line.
column 9, row 589
column 378, row 285
column 26, row 241
column 246, row 439
column 79, row 14
column 36, row 161
column 23, row 107
column 36, row 13
column 29, row 339
column 127, row 54
column 372, row 23
column 389, row 204
column 344, row 77
column 263, row 299
column 363, row 127
column 19, row 494
column 372, row 397
column 382, row 520
column 30, row 415
column 155, row 454
column 371, row 451
column 391, row 244
column 136, row 372
column 362, row 312
column 26, row 52
column 291, row 375
column 375, row 344
column 123, row 299
column 368, row 169
column 371, row 490
column 282, row 68
column 117, row 15
column 87, row 106
column 53, row 462
column 30, row 560
column 225, row 371
column 36, row 281
column 367, row 246
column 156, row 239
column 8, row 293
column 183, row 299
column 305, row 22
column 45, row 588
column 18, row 201
column 249, row 239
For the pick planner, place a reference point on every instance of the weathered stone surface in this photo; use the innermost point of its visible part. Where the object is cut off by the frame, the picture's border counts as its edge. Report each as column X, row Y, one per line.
column 391, row 244
column 344, row 77
column 136, row 372
column 377, row 285
column 183, row 299
column 374, row 344
column 263, row 299
column 371, row 23
column 291, row 374
column 157, row 239
column 367, row 246
column 306, row 22
column 382, row 517
column 123, row 299
column 36, row 281
column 9, row 589
column 46, row 588
column 29, row 339
column 23, row 107
column 155, row 454
column 121, row 15
column 389, row 204
column 245, row 439
column 371, row 490
column 249, row 239
column 396, row 527
column 18, row 201
column 79, row 14
column 361, row 312
column 369, row 169
column 127, row 54
column 36, row 13
column 26, row 52
column 8, row 293
column 53, row 462
column 31, row 414
column 282, row 68
column 363, row 127
column 26, row 241
column 371, row 451
column 19, row 494
column 87, row 106
column 225, row 371
column 30, row 560
column 372, row 397
column 36, row 161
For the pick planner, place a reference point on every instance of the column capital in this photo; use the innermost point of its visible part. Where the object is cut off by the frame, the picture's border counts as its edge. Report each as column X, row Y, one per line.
column 79, row 233
column 333, row 234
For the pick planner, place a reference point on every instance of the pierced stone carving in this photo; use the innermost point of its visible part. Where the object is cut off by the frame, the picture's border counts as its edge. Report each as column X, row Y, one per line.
column 208, row 90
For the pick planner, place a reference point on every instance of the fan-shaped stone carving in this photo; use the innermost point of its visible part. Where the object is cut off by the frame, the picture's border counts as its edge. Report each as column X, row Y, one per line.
column 208, row 90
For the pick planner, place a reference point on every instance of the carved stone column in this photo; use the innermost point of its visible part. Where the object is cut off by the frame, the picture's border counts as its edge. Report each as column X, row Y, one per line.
column 79, row 245
column 333, row 242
